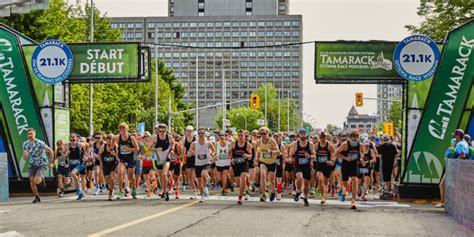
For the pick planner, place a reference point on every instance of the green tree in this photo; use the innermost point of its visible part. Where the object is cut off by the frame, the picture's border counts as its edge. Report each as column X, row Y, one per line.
column 332, row 128
column 442, row 16
column 242, row 118
column 394, row 114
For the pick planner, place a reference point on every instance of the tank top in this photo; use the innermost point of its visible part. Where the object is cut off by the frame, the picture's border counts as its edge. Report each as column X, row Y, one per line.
column 300, row 158
column 203, row 156
column 266, row 157
column 128, row 143
column 164, row 144
column 107, row 155
column 222, row 155
column 148, row 161
column 75, row 155
column 352, row 152
column 187, row 144
column 279, row 158
column 323, row 154
column 238, row 154
column 62, row 159
column 175, row 157
column 96, row 148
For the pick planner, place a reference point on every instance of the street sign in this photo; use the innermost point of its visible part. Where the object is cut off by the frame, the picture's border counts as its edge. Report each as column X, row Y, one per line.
column 388, row 128
column 260, row 122
column 52, row 61
column 141, row 128
column 227, row 122
column 416, row 58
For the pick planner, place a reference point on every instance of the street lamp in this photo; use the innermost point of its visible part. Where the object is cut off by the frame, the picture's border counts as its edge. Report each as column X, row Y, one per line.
column 245, row 120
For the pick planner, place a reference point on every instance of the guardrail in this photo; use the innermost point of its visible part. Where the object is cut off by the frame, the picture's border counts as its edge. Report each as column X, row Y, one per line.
column 459, row 181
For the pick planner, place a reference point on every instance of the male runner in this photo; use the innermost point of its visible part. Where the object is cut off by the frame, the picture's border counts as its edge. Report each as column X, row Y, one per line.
column 76, row 163
column 33, row 151
column 253, row 142
column 163, row 145
column 188, row 139
column 175, row 165
column 203, row 150
column 108, row 156
column 98, row 175
column 267, row 150
column 239, row 154
column 302, row 152
column 325, row 160
column 127, row 145
column 366, row 162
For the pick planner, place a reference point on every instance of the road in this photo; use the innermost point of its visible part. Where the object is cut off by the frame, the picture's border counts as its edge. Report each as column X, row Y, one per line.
column 220, row 216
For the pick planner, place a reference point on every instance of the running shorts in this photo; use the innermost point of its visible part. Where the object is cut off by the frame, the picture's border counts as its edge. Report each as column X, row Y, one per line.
column 220, row 169
column 110, row 167
column 190, row 162
column 364, row 171
column 305, row 169
column 36, row 171
column 325, row 169
column 63, row 171
column 240, row 168
column 198, row 169
column 129, row 162
column 270, row 167
column 349, row 169
column 176, row 168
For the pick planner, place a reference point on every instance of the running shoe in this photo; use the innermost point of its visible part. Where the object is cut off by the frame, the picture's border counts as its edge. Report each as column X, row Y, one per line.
column 353, row 205
column 110, row 197
column 61, row 194
column 120, row 196
column 339, row 193
column 343, row 197
column 272, row 196
column 252, row 187
column 206, row 191
column 247, row 196
column 80, row 196
column 176, row 195
column 439, row 205
column 171, row 183
column 364, row 198
column 297, row 196
column 154, row 185
column 149, row 194
column 323, row 201
column 134, row 193
column 306, row 203
column 201, row 200
column 223, row 193
column 263, row 198
column 127, row 193
column 97, row 191
column 278, row 197
column 240, row 200
column 167, row 196
column 312, row 191
column 37, row 199
column 359, row 192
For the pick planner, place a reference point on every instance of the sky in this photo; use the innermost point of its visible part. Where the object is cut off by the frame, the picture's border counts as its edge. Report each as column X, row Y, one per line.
column 326, row 20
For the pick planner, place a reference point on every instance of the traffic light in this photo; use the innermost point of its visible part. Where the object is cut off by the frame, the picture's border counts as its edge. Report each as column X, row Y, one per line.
column 255, row 102
column 359, row 99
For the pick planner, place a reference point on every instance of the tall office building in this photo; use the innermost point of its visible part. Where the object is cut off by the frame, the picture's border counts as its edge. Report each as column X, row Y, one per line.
column 387, row 93
column 236, row 38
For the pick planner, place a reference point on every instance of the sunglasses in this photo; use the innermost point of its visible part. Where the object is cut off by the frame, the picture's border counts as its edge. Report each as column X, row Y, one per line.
column 98, row 137
column 161, row 131
column 354, row 136
column 262, row 134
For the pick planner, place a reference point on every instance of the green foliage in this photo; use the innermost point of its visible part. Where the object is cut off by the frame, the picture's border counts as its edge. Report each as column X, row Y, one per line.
column 332, row 129
column 440, row 18
column 394, row 114
column 272, row 113
column 242, row 118
column 113, row 103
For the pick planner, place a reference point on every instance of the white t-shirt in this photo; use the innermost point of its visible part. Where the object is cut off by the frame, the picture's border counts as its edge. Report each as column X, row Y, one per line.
column 221, row 155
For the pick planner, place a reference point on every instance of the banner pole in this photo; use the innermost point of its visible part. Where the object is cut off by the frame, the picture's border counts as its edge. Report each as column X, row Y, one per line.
column 91, row 87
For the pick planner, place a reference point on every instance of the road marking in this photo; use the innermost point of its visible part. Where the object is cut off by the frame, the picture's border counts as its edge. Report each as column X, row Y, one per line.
column 135, row 222
column 11, row 234
column 4, row 211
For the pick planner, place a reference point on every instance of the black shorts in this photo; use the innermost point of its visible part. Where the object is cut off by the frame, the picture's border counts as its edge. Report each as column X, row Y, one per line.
column 325, row 169
column 270, row 167
column 387, row 169
column 288, row 167
column 190, row 162
column 198, row 169
column 220, row 169
column 146, row 170
column 90, row 167
column 97, row 162
column 349, row 169
column 240, row 168
column 364, row 171
column 109, row 167
column 377, row 166
column 63, row 171
column 279, row 168
column 176, row 168
column 129, row 162
column 213, row 165
column 251, row 164
column 305, row 169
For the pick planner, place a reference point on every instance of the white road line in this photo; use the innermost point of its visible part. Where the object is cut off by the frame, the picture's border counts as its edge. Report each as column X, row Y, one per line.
column 4, row 211
column 11, row 234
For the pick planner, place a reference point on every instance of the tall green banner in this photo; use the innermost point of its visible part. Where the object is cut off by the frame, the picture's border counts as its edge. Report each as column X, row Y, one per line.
column 18, row 105
column 443, row 108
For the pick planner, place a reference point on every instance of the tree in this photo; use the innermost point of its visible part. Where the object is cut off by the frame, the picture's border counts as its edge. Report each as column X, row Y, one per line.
column 440, row 17
column 332, row 129
column 242, row 118
column 394, row 114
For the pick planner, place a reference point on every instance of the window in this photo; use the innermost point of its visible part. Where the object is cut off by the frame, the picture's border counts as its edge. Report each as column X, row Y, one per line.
column 138, row 35
column 252, row 64
column 218, row 54
column 286, row 23
column 252, row 54
column 202, row 24
column 252, row 24
column 252, row 34
column 278, row 74
column 202, row 44
column 261, row 54
column 235, row 95
column 184, row 75
column 219, row 45
column 243, row 84
column 193, row 25
column 243, row 74
column 295, row 74
column 248, row 13
column 209, row 95
column 252, row 74
column 218, row 95
column 210, row 34
column 235, row 84
column 218, row 24
column 235, row 24
column 269, row 23
column 244, row 64
column 295, row 23
column 286, row 84
column 286, row 54
column 130, row 35
column 210, row 24
column 296, row 94
column 269, row 74
column 286, row 74
column 295, row 33
column 278, row 33
column 295, row 54
column 227, row 33
column 286, row 33
column 248, row 5
column 278, row 84
column 227, row 45
column 281, row 7
column 201, row 5
column 244, row 54
column 192, row 35
column 202, row 34
column 227, row 24
column 235, row 54
column 150, row 25
column 210, row 44
column 130, row 25
column 269, row 54
column 252, row 84
column 113, row 25
column 184, row 35
column 261, row 34
column 286, row 64
column 244, row 34
column 278, row 64
column 176, row 65
column 151, row 35
column 243, row 94
column 167, row 25
column 261, row 24
column 278, row 23
column 244, row 24
column 269, row 33
column 295, row 84
column 235, row 34
column 175, row 24
column 218, row 33
column 168, row 35
column 296, row 64
column 261, row 43
column 269, row 64
column 184, row 24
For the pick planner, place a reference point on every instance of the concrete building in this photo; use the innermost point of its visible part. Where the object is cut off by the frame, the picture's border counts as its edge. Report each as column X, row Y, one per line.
column 364, row 122
column 226, row 38
column 387, row 93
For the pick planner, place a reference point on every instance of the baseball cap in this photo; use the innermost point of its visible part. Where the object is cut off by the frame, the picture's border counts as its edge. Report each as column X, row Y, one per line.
column 190, row 128
column 366, row 142
column 467, row 137
column 385, row 137
column 278, row 134
column 459, row 132
column 301, row 130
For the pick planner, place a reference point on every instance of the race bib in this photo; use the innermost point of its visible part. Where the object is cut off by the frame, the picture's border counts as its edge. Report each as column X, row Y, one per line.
column 223, row 156
column 323, row 159
column 202, row 157
column 173, row 158
column 148, row 157
column 353, row 156
column 109, row 159
column 61, row 162
column 339, row 160
column 364, row 170
column 277, row 162
column 74, row 162
column 239, row 160
column 123, row 151
column 267, row 155
column 303, row 161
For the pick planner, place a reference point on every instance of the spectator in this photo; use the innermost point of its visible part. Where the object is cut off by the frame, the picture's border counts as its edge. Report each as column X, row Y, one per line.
column 387, row 152
column 461, row 151
column 449, row 155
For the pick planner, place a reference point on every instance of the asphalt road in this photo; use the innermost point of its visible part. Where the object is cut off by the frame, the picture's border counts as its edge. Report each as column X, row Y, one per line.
column 220, row 216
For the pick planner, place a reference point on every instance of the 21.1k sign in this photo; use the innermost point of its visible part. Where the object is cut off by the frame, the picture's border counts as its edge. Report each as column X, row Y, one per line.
column 416, row 58
column 52, row 61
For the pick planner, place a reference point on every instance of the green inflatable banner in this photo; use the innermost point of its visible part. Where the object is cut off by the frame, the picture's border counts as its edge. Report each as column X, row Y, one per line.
column 443, row 108
column 18, row 105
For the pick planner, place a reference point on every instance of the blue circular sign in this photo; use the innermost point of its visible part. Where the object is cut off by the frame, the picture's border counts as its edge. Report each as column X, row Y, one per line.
column 416, row 58
column 52, row 61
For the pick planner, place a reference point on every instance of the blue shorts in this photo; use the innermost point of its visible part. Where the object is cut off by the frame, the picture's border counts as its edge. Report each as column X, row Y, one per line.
column 138, row 167
column 129, row 162
column 63, row 171
column 80, row 168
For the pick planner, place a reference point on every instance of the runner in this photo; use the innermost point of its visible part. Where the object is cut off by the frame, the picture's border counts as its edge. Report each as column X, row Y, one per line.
column 280, row 164
column 325, row 160
column 267, row 150
column 138, row 156
column 289, row 176
column 203, row 151
column 63, row 166
column 98, row 175
column 127, row 145
column 189, row 138
column 76, row 164
column 251, row 161
column 175, row 165
column 341, row 139
column 108, row 155
column 302, row 152
column 147, row 163
column 366, row 162
column 90, row 162
column 239, row 154
column 350, row 152
column 222, row 162
column 33, row 152
column 387, row 152
column 163, row 145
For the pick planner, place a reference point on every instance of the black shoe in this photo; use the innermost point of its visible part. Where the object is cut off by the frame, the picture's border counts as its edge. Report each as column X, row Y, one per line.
column 263, row 198
column 37, row 199
column 223, row 193
column 297, row 196
column 272, row 196
column 305, row 200
column 167, row 196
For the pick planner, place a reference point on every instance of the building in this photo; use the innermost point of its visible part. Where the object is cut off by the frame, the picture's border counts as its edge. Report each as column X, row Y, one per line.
column 386, row 93
column 241, row 46
column 363, row 122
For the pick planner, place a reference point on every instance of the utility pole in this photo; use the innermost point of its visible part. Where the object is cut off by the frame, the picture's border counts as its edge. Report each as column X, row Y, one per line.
column 288, row 111
column 156, row 77
column 266, row 104
column 197, row 92
column 91, row 88
column 279, row 92
column 169, row 113
column 224, row 117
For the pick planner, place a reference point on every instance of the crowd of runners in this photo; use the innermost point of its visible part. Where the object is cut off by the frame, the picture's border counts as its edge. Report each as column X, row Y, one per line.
column 251, row 163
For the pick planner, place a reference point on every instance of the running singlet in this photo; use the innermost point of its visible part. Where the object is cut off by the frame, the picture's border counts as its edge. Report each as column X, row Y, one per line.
column 323, row 154
column 96, row 148
column 175, row 157
column 352, row 153
column 266, row 157
column 300, row 158
column 108, row 155
column 123, row 154
column 62, row 159
column 187, row 144
column 279, row 158
column 238, row 154
column 222, row 160
column 75, row 155
column 147, row 162
column 203, row 156
column 163, row 155
column 365, row 169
